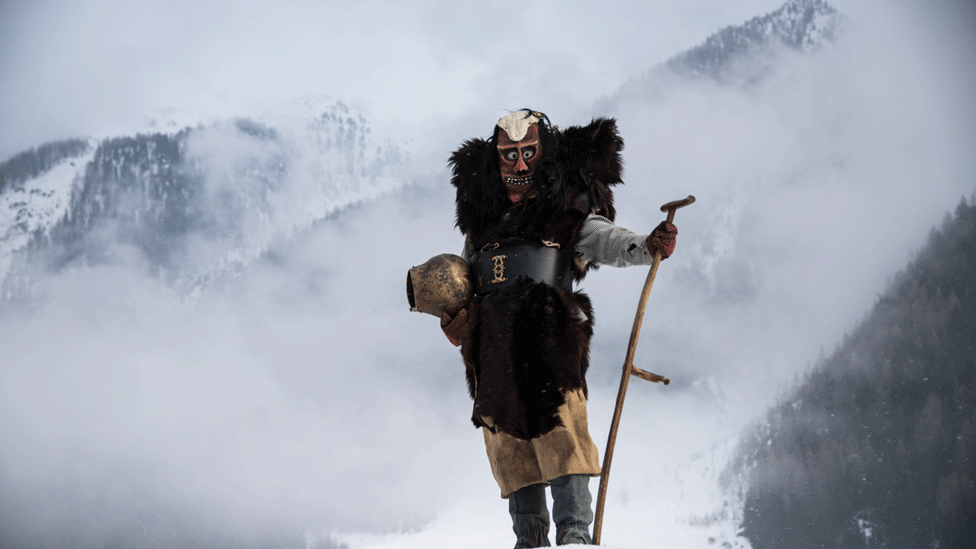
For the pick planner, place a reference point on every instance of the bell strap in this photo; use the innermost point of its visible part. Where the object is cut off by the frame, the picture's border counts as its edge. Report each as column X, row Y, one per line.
column 495, row 269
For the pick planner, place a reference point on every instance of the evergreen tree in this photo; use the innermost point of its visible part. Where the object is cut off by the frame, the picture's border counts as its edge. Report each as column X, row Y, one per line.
column 876, row 445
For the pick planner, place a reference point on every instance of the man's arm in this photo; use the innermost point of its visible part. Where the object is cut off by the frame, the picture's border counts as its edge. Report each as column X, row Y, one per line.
column 459, row 326
column 603, row 243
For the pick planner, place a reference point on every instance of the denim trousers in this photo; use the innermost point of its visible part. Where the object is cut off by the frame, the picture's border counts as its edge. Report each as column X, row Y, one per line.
column 571, row 511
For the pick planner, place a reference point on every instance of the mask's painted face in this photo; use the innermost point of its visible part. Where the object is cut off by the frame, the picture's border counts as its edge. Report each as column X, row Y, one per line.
column 518, row 161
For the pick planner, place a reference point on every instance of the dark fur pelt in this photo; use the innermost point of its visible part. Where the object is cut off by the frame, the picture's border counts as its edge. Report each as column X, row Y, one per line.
column 531, row 344
column 530, row 341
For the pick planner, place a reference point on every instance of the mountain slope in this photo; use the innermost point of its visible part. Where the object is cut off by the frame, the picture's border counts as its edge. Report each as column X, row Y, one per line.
column 200, row 203
column 35, row 194
column 876, row 446
column 800, row 25
column 191, row 206
column 738, row 53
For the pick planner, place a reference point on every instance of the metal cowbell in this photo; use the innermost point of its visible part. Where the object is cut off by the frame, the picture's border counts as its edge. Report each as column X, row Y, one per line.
column 442, row 284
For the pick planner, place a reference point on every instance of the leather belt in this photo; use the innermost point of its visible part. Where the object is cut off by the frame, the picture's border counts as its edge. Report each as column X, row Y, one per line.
column 495, row 269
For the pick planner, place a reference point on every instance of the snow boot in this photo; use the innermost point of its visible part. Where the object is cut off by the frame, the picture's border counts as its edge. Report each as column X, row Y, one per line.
column 571, row 509
column 530, row 516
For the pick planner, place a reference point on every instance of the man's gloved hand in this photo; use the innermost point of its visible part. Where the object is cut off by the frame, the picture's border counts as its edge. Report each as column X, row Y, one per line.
column 455, row 327
column 662, row 239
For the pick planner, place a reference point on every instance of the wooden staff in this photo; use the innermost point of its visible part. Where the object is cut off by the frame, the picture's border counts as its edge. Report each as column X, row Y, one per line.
column 629, row 370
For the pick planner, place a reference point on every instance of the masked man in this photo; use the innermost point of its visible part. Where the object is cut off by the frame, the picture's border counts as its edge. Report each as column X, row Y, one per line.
column 536, row 208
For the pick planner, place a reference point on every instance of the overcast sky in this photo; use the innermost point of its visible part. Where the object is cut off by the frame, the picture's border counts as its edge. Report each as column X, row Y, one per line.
column 305, row 393
column 102, row 67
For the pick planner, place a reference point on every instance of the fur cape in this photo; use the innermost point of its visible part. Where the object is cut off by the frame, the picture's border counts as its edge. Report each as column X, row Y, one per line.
column 530, row 341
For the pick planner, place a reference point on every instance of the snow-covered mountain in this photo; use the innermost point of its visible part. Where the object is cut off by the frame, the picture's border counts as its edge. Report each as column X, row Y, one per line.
column 739, row 53
column 295, row 402
column 194, row 205
column 35, row 194
column 199, row 199
column 799, row 25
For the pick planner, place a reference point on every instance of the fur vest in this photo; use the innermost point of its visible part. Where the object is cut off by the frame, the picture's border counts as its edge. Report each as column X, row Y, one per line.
column 530, row 341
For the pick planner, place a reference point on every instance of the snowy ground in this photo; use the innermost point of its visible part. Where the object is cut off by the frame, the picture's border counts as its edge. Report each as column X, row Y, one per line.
column 663, row 492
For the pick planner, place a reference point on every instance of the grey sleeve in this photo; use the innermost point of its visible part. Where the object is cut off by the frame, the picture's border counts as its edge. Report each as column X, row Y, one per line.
column 603, row 243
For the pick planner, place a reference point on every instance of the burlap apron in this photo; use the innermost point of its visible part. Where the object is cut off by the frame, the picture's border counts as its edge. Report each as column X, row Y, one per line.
column 566, row 450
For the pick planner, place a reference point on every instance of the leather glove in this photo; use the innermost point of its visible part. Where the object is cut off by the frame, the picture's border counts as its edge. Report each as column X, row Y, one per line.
column 455, row 327
column 662, row 239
